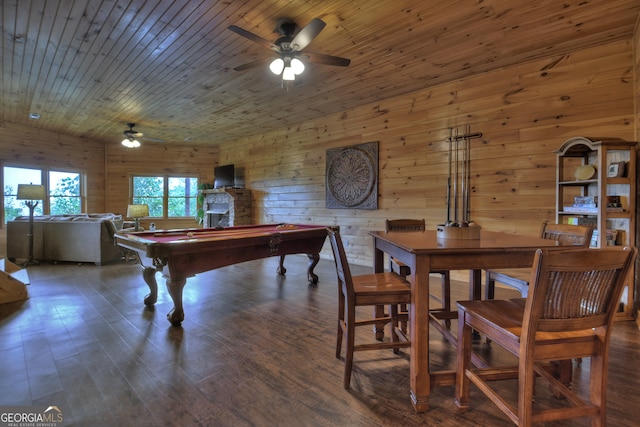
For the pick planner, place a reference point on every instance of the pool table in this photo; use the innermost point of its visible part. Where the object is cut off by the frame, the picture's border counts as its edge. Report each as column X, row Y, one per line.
column 183, row 253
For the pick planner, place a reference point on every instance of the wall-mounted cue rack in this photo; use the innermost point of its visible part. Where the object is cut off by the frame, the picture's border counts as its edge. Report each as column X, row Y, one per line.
column 459, row 178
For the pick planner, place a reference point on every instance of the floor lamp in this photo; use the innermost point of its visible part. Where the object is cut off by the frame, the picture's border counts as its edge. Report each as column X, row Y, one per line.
column 32, row 194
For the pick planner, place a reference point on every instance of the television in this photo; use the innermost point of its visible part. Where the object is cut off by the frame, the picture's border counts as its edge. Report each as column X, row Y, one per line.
column 224, row 176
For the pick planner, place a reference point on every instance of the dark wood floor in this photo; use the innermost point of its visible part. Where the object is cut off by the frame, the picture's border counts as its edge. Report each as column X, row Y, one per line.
column 255, row 349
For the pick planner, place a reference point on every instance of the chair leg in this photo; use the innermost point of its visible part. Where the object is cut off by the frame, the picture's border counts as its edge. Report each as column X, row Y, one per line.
column 490, row 288
column 489, row 293
column 526, row 386
column 393, row 310
column 350, row 335
column 463, row 362
column 378, row 328
column 403, row 323
column 341, row 325
column 564, row 372
column 339, row 339
column 446, row 296
column 598, row 388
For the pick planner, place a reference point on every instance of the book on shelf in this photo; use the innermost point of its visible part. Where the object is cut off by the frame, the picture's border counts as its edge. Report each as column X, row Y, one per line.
column 586, row 201
column 611, row 237
column 581, row 209
column 576, row 220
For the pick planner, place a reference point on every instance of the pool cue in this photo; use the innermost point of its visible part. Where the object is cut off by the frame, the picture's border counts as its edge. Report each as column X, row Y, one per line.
column 467, row 212
column 449, row 181
column 455, row 182
column 222, row 231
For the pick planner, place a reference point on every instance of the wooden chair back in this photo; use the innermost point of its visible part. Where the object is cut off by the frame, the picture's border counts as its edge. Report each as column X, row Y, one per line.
column 404, row 225
column 575, row 289
column 345, row 280
column 567, row 234
column 518, row 278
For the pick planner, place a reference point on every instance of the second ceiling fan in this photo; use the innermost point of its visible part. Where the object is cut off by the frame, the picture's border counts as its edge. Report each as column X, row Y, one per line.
column 289, row 48
column 131, row 137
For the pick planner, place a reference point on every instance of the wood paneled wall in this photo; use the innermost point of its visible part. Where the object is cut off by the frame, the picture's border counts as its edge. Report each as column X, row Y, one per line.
column 524, row 113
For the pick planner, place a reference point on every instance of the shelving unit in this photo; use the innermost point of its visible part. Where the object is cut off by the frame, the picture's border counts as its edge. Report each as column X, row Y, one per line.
column 614, row 174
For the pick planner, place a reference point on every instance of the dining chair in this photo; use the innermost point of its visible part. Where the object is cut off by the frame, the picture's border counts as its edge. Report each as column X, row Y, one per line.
column 568, row 313
column 518, row 278
column 404, row 270
column 386, row 289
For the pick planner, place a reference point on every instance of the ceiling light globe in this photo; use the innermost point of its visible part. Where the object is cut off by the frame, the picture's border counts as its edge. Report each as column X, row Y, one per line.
column 131, row 143
column 297, row 66
column 288, row 74
column 277, row 66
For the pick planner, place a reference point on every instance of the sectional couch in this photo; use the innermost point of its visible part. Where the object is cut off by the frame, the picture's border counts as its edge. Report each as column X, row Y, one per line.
column 74, row 238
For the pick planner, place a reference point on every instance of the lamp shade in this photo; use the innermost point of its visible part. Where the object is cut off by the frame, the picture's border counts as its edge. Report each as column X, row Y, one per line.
column 137, row 211
column 31, row 192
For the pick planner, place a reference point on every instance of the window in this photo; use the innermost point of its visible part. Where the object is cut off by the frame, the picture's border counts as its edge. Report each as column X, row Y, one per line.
column 182, row 196
column 63, row 187
column 12, row 177
column 167, row 196
column 149, row 190
column 64, row 193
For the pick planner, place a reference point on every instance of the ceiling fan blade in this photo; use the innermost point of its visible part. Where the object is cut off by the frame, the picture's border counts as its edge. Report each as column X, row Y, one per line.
column 255, row 38
column 153, row 139
column 253, row 64
column 307, row 34
column 319, row 58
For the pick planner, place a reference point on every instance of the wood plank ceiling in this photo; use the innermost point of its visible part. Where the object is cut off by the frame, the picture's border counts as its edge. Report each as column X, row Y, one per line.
column 90, row 66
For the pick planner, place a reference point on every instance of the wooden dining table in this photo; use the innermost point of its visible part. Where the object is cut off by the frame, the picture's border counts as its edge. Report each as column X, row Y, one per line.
column 423, row 252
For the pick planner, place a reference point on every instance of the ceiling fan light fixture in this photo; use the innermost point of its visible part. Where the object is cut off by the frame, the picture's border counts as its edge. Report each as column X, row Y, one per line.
column 277, row 66
column 288, row 74
column 131, row 143
column 297, row 66
column 289, row 47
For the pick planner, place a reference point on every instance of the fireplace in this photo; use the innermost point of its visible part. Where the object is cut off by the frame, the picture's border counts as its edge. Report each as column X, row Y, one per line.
column 227, row 207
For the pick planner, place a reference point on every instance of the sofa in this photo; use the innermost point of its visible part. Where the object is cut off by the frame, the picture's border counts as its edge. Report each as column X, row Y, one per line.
column 74, row 238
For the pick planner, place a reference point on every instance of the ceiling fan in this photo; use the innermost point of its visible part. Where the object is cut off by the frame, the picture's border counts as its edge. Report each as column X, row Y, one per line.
column 289, row 48
column 132, row 136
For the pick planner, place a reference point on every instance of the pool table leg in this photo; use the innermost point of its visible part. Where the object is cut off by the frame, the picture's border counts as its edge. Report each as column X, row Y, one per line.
column 313, row 261
column 149, row 276
column 175, row 286
column 281, row 270
column 311, row 276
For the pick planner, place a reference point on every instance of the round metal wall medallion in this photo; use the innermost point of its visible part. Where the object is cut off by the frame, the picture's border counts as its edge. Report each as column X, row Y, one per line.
column 352, row 177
